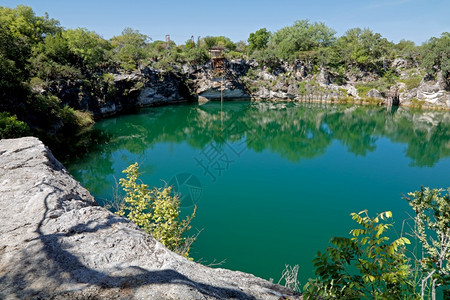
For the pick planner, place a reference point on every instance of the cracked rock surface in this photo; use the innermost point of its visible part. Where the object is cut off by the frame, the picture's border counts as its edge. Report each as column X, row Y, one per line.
column 57, row 243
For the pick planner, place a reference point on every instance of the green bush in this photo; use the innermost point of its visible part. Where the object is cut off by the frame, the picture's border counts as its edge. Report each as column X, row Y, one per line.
column 382, row 85
column 75, row 118
column 301, row 36
column 259, row 39
column 156, row 211
column 436, row 55
column 363, row 89
column 432, row 229
column 369, row 266
column 129, row 48
column 234, row 55
column 10, row 127
column 366, row 265
column 46, row 108
column 412, row 82
column 197, row 56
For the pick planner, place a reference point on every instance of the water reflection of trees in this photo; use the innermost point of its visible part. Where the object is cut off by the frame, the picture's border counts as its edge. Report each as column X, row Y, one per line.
column 292, row 130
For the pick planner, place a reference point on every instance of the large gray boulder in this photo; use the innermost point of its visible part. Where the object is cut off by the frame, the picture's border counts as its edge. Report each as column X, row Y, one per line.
column 374, row 93
column 56, row 242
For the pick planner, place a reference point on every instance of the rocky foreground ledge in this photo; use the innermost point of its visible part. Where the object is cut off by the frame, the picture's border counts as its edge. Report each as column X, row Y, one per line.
column 56, row 242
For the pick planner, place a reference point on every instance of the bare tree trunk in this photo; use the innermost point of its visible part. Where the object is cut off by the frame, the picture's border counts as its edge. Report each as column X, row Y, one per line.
column 424, row 282
column 433, row 291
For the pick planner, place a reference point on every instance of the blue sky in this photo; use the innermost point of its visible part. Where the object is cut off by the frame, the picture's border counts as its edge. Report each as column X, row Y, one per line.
column 415, row 20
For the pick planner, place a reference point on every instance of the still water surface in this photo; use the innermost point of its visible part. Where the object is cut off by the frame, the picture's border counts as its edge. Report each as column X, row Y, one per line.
column 273, row 182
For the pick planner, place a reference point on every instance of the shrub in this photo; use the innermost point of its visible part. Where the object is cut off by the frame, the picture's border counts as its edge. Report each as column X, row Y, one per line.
column 75, row 118
column 363, row 89
column 432, row 229
column 36, row 83
column 366, row 265
column 10, row 127
column 234, row 55
column 382, row 85
column 412, row 82
column 156, row 211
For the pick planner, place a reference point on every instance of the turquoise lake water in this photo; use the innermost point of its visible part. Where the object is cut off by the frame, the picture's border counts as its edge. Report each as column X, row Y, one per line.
column 273, row 182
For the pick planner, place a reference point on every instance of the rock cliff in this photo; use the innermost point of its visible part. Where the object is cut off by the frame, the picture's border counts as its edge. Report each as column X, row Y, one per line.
column 56, row 242
column 298, row 81
column 113, row 93
column 120, row 92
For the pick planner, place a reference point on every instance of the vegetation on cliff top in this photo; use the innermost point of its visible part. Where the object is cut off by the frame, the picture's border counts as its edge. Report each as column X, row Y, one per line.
column 37, row 55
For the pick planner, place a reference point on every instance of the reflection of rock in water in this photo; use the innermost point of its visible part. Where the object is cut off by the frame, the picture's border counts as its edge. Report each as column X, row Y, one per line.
column 425, row 123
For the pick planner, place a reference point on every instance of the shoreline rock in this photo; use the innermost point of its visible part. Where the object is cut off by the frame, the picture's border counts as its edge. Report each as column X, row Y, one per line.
column 58, row 243
column 120, row 93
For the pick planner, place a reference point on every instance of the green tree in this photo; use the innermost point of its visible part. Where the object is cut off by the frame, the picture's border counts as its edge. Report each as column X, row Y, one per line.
column 25, row 25
column 218, row 41
column 20, row 31
column 241, row 46
column 53, row 59
column 363, row 47
column 156, row 211
column 12, row 66
column 189, row 44
column 302, row 36
column 436, row 55
column 130, row 48
column 210, row 41
column 197, row 56
column 366, row 265
column 404, row 48
column 259, row 39
column 89, row 48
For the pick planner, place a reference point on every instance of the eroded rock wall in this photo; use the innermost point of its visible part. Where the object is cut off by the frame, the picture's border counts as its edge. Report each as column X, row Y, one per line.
column 243, row 79
column 115, row 93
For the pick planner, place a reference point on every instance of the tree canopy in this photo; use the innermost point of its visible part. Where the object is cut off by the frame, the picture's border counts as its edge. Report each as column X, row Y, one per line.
column 259, row 39
column 362, row 47
column 437, row 55
column 302, row 36
column 130, row 48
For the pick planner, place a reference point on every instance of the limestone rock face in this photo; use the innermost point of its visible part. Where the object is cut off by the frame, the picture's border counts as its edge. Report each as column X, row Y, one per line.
column 373, row 93
column 56, row 242
column 351, row 91
column 431, row 91
column 212, row 86
column 123, row 92
column 323, row 77
column 399, row 64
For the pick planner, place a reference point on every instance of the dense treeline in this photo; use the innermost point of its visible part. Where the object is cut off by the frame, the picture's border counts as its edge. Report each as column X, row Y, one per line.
column 36, row 51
